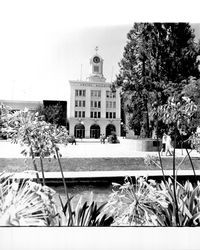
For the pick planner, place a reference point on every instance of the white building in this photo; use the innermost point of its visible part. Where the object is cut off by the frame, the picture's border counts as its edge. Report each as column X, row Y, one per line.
column 93, row 108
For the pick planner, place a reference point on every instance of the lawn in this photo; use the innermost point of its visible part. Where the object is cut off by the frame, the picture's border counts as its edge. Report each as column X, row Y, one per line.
column 91, row 164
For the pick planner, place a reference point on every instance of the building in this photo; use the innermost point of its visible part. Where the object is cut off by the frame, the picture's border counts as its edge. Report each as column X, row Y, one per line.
column 33, row 106
column 16, row 105
column 93, row 108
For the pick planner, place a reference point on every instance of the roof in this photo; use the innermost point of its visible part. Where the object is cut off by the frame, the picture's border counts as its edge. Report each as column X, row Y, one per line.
column 20, row 105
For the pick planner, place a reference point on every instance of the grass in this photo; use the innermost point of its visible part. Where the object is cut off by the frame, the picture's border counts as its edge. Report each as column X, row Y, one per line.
column 91, row 164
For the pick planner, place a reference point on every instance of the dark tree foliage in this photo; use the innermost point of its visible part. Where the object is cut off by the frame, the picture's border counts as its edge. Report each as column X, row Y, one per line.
column 192, row 90
column 157, row 61
column 52, row 114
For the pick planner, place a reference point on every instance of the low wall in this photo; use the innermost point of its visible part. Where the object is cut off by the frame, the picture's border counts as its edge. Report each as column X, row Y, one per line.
column 146, row 145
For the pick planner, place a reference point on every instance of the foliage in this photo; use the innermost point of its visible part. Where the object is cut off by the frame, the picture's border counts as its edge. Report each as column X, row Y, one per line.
column 29, row 130
column 87, row 214
column 52, row 114
column 148, row 203
column 157, row 61
column 113, row 138
column 39, row 138
column 177, row 114
column 192, row 91
column 136, row 204
column 188, row 200
column 26, row 203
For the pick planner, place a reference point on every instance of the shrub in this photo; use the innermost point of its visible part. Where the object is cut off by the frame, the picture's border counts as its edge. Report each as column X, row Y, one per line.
column 26, row 203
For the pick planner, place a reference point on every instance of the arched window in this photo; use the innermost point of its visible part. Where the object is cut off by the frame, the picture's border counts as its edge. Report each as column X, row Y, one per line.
column 95, row 131
column 79, row 131
column 109, row 129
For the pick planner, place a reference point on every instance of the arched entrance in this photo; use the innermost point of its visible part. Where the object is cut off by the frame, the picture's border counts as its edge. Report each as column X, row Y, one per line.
column 79, row 131
column 95, row 131
column 110, row 128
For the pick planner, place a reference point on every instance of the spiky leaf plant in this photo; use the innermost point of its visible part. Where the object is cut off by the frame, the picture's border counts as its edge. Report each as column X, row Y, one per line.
column 87, row 214
column 188, row 200
column 136, row 204
column 26, row 203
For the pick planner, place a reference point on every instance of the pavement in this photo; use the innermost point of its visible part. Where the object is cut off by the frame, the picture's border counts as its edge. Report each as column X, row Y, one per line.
column 91, row 148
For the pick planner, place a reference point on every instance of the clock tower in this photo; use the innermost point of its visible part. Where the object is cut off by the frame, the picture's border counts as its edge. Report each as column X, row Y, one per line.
column 96, row 63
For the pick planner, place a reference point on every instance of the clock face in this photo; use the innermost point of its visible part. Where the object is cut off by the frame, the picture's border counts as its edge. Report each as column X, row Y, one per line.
column 96, row 59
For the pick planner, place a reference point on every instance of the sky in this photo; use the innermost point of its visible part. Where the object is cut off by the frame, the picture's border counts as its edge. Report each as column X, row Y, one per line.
column 46, row 43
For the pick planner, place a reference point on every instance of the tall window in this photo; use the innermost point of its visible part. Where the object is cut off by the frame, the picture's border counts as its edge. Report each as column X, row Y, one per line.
column 80, row 92
column 80, row 114
column 110, row 94
column 111, row 115
column 95, row 93
column 79, row 103
column 96, row 69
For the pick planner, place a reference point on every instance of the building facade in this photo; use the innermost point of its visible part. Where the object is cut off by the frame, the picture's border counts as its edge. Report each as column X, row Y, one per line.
column 93, row 108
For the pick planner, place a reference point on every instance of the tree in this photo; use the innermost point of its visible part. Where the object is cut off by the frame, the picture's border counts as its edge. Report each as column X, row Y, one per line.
column 157, row 61
column 52, row 114
column 192, row 91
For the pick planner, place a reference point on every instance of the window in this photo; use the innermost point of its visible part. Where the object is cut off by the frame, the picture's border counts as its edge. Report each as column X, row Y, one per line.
column 114, row 115
column 79, row 103
column 80, row 92
column 110, row 114
column 96, row 69
column 79, row 113
column 99, row 104
column 95, row 93
column 110, row 94
column 91, row 114
column 107, row 114
column 76, row 114
column 95, row 104
column 114, row 105
column 99, row 114
column 83, row 114
column 95, row 114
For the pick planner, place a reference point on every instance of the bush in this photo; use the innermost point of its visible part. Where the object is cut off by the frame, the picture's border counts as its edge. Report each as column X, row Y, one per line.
column 113, row 138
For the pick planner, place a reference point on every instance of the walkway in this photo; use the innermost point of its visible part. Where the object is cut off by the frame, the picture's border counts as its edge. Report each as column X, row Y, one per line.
column 90, row 149
column 89, row 160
